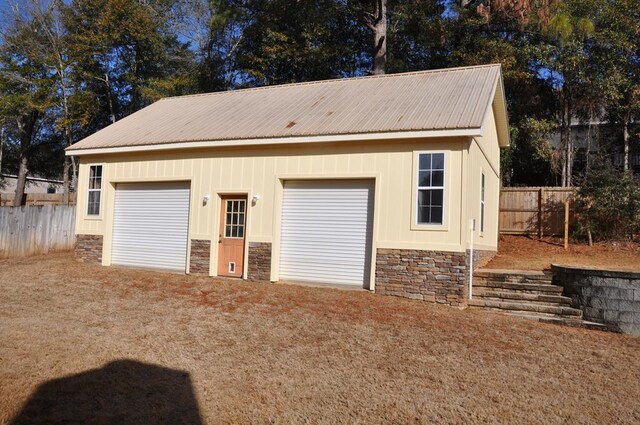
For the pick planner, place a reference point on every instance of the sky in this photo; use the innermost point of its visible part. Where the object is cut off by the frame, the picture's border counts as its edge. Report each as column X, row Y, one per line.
column 5, row 4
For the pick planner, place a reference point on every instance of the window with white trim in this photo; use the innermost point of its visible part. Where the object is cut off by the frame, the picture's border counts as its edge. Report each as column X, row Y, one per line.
column 430, row 197
column 94, row 197
column 482, row 187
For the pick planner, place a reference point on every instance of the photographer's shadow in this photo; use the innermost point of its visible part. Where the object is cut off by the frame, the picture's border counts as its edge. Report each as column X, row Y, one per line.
column 121, row 392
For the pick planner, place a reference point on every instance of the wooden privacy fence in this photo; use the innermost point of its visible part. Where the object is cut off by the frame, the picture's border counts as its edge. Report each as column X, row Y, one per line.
column 533, row 210
column 6, row 199
column 36, row 230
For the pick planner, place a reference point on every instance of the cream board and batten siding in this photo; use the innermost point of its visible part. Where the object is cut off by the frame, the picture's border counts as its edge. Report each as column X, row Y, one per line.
column 262, row 170
column 484, row 156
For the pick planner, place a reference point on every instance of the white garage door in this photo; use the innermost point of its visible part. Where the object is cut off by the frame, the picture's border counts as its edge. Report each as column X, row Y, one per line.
column 326, row 231
column 150, row 225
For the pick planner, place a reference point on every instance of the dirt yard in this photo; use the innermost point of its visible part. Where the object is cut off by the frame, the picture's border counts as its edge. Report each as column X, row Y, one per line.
column 530, row 253
column 87, row 344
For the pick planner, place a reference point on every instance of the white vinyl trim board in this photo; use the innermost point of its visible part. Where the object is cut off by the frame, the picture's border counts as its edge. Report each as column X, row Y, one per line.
column 326, row 231
column 151, row 225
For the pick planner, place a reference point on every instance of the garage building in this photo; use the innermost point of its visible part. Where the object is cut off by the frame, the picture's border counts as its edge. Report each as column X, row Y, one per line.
column 378, row 182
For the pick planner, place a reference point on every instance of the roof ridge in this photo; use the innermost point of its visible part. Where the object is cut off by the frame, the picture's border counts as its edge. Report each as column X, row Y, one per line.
column 336, row 80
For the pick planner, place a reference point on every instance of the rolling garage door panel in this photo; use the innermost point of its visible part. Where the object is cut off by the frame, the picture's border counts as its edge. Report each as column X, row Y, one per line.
column 151, row 225
column 326, row 231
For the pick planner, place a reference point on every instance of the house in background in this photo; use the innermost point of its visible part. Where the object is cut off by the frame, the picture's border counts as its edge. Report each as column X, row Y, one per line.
column 598, row 138
column 34, row 185
column 37, row 191
column 369, row 182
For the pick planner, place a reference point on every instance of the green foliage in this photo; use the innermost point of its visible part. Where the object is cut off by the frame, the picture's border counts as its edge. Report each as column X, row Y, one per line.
column 86, row 63
column 314, row 40
column 417, row 35
column 27, row 99
column 531, row 153
column 609, row 205
column 617, row 60
column 126, row 53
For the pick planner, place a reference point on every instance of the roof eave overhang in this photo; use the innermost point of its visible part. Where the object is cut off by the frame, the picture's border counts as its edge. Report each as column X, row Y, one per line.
column 465, row 132
column 502, row 117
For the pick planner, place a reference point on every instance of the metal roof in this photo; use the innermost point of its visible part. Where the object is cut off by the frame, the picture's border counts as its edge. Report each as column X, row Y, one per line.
column 446, row 99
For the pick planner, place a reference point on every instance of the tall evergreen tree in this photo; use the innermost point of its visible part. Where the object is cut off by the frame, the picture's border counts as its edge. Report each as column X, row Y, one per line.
column 26, row 99
column 314, row 40
column 616, row 65
column 127, row 53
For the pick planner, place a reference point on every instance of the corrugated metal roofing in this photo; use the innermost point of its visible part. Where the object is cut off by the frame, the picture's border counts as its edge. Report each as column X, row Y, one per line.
column 456, row 98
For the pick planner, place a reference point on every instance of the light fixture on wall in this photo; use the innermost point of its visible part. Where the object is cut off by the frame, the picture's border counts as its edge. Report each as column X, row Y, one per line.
column 205, row 199
column 255, row 199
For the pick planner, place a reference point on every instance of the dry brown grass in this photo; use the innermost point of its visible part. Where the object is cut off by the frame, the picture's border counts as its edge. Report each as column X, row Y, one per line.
column 265, row 353
column 531, row 253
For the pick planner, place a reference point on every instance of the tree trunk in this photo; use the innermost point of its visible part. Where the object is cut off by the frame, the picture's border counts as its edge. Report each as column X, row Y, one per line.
column 625, row 137
column 68, row 137
column 569, row 143
column 569, row 160
column 566, row 139
column 74, row 176
column 22, row 180
column 26, row 126
column 109, row 98
column 379, row 28
column 1, row 146
column 563, row 145
column 65, row 180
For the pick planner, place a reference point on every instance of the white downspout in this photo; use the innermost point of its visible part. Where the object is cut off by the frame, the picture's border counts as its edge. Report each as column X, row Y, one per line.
column 473, row 228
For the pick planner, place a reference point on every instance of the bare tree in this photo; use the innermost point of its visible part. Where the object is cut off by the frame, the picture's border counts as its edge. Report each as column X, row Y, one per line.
column 55, row 53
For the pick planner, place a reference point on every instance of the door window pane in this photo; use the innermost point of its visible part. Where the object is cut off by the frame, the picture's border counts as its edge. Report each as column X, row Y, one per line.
column 235, row 217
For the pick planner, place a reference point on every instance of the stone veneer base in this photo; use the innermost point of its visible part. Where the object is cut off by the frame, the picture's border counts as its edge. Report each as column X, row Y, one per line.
column 435, row 276
column 481, row 257
column 259, row 267
column 88, row 248
column 200, row 257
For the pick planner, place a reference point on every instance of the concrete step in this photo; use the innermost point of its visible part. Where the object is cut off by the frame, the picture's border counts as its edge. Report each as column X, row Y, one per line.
column 521, row 306
column 531, row 288
column 502, row 273
column 526, row 294
column 564, row 321
column 498, row 294
column 513, row 278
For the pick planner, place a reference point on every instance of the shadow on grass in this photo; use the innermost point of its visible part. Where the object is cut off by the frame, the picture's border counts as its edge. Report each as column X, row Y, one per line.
column 121, row 392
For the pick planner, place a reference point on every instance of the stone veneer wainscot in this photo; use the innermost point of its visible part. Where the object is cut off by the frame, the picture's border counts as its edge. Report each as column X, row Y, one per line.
column 89, row 248
column 481, row 257
column 199, row 257
column 259, row 261
column 434, row 276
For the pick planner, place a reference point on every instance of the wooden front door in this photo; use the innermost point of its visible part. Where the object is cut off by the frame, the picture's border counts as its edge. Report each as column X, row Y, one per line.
column 232, row 235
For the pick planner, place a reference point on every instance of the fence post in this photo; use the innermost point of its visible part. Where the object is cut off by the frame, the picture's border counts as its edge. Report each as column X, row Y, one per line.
column 566, row 224
column 540, row 213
